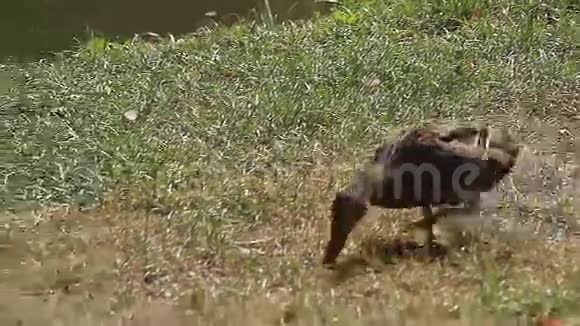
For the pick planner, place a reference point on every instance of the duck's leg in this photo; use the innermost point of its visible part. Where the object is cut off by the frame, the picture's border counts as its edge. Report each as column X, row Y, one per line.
column 426, row 224
column 429, row 219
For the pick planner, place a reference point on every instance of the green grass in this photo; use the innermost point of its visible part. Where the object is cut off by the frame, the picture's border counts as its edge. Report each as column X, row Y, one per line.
column 267, row 98
column 247, row 131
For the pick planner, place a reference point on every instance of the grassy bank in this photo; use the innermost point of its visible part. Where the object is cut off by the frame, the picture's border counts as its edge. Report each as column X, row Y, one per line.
column 214, row 158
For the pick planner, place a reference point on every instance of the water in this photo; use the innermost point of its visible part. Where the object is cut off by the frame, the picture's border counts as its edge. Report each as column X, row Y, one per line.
column 33, row 29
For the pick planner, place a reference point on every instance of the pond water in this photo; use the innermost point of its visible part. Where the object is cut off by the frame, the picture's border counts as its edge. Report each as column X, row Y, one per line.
column 32, row 29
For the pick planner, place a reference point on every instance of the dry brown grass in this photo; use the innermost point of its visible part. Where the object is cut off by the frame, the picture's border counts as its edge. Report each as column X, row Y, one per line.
column 495, row 267
column 274, row 267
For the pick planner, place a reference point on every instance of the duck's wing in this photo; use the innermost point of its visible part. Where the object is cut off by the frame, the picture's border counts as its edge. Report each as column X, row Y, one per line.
column 461, row 134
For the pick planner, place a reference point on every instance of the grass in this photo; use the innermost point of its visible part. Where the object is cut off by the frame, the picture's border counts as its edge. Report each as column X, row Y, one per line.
column 213, row 158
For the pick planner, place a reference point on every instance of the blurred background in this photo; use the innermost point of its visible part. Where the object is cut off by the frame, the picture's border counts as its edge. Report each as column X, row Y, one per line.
column 32, row 29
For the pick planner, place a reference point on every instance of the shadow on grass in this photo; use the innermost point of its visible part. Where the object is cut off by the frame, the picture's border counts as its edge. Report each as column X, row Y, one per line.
column 376, row 253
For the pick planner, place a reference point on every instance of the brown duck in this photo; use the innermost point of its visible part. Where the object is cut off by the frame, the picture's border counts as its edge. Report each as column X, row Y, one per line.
column 423, row 168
